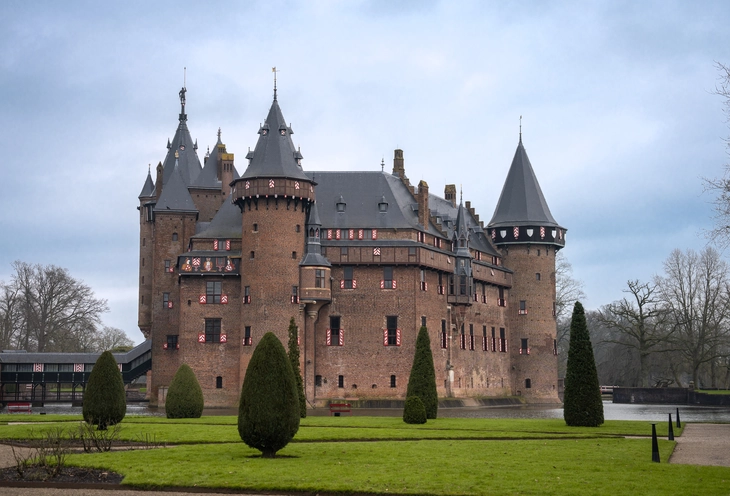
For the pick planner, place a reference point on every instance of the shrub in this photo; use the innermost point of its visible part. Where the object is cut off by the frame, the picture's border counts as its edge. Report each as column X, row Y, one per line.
column 268, row 412
column 414, row 411
column 105, row 402
column 294, row 359
column 184, row 396
column 582, row 397
column 422, row 381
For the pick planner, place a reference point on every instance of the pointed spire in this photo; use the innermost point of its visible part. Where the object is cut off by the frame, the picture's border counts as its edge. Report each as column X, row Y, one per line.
column 219, row 136
column 313, row 249
column 521, row 202
column 520, row 129
column 273, row 69
column 183, row 145
column 148, row 190
column 168, row 143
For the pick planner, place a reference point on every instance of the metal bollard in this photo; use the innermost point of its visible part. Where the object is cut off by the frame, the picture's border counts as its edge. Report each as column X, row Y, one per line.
column 678, row 424
column 654, row 445
column 671, row 431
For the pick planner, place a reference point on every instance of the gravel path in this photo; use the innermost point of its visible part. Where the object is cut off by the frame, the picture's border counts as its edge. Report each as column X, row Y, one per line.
column 703, row 444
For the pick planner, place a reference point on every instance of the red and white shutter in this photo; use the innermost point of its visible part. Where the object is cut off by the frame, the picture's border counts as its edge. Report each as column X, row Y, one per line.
column 338, row 234
column 375, row 234
column 78, row 367
column 342, row 337
column 354, row 284
column 342, row 284
column 224, row 299
column 201, row 337
column 228, row 245
column 215, row 244
column 329, row 337
column 203, row 299
column 359, row 234
column 169, row 304
column 329, row 233
column 224, row 338
column 394, row 283
column 37, row 367
column 397, row 336
column 385, row 337
column 164, row 346
column 351, row 234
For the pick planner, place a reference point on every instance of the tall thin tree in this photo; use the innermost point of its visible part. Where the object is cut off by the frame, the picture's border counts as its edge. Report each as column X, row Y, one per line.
column 294, row 359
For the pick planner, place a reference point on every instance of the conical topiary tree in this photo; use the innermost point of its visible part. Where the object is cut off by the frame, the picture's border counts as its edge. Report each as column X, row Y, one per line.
column 184, row 396
column 582, row 405
column 268, row 413
column 294, row 360
column 414, row 411
column 422, row 381
column 105, row 402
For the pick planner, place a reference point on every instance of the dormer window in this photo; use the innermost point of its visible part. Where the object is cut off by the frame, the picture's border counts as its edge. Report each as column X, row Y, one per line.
column 383, row 205
column 340, row 205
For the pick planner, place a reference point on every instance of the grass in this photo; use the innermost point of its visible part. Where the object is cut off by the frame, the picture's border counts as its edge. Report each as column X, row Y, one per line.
column 714, row 391
column 382, row 455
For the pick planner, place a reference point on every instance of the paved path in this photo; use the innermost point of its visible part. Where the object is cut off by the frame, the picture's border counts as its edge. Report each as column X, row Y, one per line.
column 703, row 444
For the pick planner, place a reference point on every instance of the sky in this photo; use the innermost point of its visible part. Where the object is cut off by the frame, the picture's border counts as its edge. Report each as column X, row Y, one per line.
column 619, row 117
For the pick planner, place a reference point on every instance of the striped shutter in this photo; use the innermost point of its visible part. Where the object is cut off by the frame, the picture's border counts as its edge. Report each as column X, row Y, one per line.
column 397, row 336
column 394, row 284
column 224, row 299
column 342, row 337
column 215, row 244
column 375, row 234
column 228, row 245
column 385, row 337
column 224, row 338
column 203, row 299
column 329, row 337
column 201, row 337
column 354, row 284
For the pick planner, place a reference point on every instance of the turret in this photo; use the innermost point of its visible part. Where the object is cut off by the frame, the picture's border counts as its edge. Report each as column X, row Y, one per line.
column 463, row 282
column 528, row 236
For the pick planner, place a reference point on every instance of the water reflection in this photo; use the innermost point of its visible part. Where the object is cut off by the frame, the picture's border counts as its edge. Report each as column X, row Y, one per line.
column 611, row 411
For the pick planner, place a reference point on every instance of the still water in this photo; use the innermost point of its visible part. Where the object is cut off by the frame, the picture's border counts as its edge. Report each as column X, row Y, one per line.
column 611, row 411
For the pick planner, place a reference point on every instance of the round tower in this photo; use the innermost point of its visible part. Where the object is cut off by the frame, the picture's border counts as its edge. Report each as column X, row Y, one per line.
column 274, row 196
column 528, row 237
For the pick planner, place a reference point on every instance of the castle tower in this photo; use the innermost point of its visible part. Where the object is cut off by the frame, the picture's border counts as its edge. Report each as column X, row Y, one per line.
column 274, row 196
column 147, row 201
column 528, row 236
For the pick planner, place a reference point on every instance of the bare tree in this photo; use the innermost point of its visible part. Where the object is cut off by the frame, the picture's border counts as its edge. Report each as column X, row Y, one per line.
column 59, row 312
column 694, row 290
column 720, row 187
column 111, row 338
column 639, row 322
column 568, row 290
column 11, row 318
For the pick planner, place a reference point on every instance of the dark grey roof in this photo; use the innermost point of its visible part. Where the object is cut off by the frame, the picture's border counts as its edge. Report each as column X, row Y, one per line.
column 275, row 155
column 148, row 189
column 208, row 177
column 444, row 210
column 521, row 202
column 362, row 192
column 225, row 224
column 461, row 236
column 313, row 249
column 175, row 195
column 188, row 161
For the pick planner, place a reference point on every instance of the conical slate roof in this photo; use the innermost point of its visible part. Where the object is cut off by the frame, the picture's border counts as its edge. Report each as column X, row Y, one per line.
column 462, row 233
column 183, row 143
column 521, row 202
column 149, row 187
column 313, row 251
column 175, row 195
column 208, row 177
column 225, row 224
column 275, row 154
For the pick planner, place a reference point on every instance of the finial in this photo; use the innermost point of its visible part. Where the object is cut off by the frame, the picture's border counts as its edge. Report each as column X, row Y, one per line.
column 219, row 134
column 149, row 168
column 273, row 69
column 207, row 153
column 520, row 129
column 461, row 195
column 382, row 164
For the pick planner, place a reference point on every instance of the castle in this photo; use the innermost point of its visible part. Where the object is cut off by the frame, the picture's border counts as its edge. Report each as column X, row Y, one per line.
column 360, row 260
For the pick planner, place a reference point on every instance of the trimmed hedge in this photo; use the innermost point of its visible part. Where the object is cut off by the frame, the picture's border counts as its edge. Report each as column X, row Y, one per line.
column 105, row 401
column 184, row 396
column 268, row 413
column 414, row 411
column 422, row 380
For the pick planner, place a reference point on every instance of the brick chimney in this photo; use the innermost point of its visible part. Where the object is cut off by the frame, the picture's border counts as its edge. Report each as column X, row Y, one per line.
column 450, row 194
column 424, row 214
column 158, row 181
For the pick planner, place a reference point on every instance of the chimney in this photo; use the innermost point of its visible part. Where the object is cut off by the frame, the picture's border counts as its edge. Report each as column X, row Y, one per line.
column 399, row 168
column 423, row 212
column 158, row 181
column 450, row 194
column 226, row 169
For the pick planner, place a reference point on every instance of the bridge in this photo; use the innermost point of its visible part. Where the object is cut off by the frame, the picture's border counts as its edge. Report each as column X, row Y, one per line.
column 42, row 378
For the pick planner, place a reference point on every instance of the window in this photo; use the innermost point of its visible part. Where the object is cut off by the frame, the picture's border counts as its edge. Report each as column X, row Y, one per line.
column 367, row 234
column 537, row 276
column 172, row 342
column 484, row 293
column 255, row 228
column 247, row 339
column 388, row 282
column 348, row 281
column 168, row 266
column 528, row 383
column 494, row 340
column 424, row 284
column 174, row 236
column 555, row 308
column 555, row 347
column 462, row 338
column 294, row 255
column 319, row 278
column 441, row 284
column 247, row 294
column 423, row 321
column 451, row 284
column 485, row 344
column 392, row 333
column 343, row 251
column 462, row 285
column 252, row 255
column 335, row 335
column 297, row 228
column 212, row 330
column 166, row 303
column 219, row 382
column 392, row 381
column 213, row 292
column 444, row 337
column 524, row 349
column 295, row 294
column 501, row 302
column 340, row 381
column 471, row 337
column 502, row 340
column 523, row 307
column 318, row 380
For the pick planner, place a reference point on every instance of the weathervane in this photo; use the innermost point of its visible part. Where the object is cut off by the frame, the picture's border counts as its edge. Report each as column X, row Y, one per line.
column 520, row 129
column 273, row 69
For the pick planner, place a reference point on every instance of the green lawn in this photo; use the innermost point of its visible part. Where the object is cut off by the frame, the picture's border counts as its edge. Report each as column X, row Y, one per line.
column 714, row 391
column 382, row 455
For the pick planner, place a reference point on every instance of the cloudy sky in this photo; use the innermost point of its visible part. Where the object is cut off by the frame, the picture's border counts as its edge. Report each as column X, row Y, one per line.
column 618, row 114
